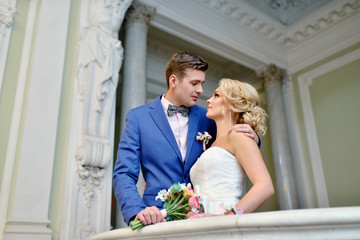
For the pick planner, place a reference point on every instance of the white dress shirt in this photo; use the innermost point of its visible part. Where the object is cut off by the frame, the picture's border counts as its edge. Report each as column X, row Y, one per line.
column 179, row 126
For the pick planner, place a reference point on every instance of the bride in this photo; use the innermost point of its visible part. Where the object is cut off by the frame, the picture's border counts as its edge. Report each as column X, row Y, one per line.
column 219, row 174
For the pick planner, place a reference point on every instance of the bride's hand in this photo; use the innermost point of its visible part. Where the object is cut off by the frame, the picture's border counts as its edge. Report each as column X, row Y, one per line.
column 246, row 130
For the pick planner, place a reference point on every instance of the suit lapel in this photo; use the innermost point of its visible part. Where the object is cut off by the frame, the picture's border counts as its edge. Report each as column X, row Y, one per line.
column 156, row 111
column 193, row 126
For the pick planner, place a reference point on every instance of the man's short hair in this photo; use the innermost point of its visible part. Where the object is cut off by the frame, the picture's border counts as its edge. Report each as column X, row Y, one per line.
column 182, row 61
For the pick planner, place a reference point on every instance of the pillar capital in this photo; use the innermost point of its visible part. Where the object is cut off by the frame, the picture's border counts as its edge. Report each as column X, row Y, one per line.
column 270, row 73
column 139, row 12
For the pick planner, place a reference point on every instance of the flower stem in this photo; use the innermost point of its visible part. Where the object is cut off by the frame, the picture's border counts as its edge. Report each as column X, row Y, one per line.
column 136, row 224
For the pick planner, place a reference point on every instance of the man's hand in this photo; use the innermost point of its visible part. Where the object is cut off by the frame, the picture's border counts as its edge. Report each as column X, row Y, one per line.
column 150, row 215
column 246, row 130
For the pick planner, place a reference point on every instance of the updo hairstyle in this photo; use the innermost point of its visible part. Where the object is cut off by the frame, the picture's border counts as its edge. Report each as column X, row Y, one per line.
column 243, row 99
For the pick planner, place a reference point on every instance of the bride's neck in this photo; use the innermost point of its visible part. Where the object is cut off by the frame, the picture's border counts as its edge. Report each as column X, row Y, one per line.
column 222, row 127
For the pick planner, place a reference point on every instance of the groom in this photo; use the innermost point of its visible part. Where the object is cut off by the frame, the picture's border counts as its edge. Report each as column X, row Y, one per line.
column 160, row 138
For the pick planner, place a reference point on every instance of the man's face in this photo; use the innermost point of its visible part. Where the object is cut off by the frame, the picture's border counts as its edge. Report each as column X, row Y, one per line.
column 187, row 91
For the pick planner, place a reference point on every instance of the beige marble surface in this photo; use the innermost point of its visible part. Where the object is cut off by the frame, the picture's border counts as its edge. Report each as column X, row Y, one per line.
column 321, row 223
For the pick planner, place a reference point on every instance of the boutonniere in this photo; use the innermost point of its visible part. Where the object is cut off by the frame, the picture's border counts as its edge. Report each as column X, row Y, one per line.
column 204, row 138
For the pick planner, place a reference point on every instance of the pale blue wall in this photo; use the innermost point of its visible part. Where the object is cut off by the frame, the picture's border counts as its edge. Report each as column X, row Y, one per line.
column 335, row 101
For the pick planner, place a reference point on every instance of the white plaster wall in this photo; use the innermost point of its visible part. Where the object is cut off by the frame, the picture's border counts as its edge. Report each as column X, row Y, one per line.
column 28, row 215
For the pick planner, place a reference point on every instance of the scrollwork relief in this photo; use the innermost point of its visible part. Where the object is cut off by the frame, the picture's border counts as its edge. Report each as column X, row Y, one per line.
column 90, row 180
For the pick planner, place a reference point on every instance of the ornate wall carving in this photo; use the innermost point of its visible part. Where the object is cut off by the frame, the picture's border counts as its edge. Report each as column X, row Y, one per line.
column 284, row 36
column 99, row 59
column 100, row 55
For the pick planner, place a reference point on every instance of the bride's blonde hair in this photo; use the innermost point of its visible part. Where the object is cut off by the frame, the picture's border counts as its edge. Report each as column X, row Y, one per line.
column 243, row 99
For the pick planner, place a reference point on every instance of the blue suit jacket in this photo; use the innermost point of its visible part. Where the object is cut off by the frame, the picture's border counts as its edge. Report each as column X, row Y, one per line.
column 148, row 142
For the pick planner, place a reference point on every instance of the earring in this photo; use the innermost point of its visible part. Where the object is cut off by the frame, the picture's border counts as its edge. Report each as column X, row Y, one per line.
column 230, row 120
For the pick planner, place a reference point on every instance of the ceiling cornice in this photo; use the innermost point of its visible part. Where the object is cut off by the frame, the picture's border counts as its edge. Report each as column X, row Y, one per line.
column 187, row 20
column 239, row 32
column 243, row 14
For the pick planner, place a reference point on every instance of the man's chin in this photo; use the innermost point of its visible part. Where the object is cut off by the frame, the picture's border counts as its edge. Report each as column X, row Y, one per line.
column 191, row 104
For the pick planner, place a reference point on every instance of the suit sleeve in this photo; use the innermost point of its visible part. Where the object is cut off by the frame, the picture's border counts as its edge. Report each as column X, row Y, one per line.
column 127, row 168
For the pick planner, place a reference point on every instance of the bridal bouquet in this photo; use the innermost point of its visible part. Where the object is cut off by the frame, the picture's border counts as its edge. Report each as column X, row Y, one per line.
column 179, row 203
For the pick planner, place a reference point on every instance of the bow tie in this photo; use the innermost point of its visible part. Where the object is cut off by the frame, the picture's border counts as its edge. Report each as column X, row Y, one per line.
column 183, row 110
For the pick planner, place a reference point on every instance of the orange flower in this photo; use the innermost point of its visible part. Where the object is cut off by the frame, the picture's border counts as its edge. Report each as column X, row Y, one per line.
column 188, row 192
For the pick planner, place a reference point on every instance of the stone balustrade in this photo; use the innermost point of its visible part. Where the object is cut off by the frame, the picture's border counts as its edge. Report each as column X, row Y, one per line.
column 319, row 223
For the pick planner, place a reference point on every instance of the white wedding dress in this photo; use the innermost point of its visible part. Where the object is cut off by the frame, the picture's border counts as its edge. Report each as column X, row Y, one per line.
column 219, row 180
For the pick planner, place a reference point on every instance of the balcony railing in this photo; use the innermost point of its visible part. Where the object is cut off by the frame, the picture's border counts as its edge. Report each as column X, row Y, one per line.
column 319, row 223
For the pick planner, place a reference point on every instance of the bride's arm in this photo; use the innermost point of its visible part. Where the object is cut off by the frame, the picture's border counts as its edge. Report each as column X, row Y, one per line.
column 248, row 154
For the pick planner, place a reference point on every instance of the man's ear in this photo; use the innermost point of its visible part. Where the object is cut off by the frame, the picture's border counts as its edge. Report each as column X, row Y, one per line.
column 172, row 80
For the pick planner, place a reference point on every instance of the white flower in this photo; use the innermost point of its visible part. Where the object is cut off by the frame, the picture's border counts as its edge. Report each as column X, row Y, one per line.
column 161, row 195
column 183, row 186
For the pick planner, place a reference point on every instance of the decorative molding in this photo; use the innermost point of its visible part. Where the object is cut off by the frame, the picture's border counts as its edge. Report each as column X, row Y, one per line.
column 305, row 80
column 7, row 15
column 242, row 34
column 16, row 115
column 90, row 179
column 274, row 32
column 33, row 227
column 325, row 44
column 270, row 73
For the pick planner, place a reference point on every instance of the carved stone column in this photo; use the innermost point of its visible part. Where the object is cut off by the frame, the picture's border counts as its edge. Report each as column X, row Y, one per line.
column 301, row 173
column 99, row 58
column 283, row 163
column 134, row 79
column 134, row 75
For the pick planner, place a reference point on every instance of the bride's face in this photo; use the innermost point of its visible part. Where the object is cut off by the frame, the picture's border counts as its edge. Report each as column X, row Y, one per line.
column 215, row 105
